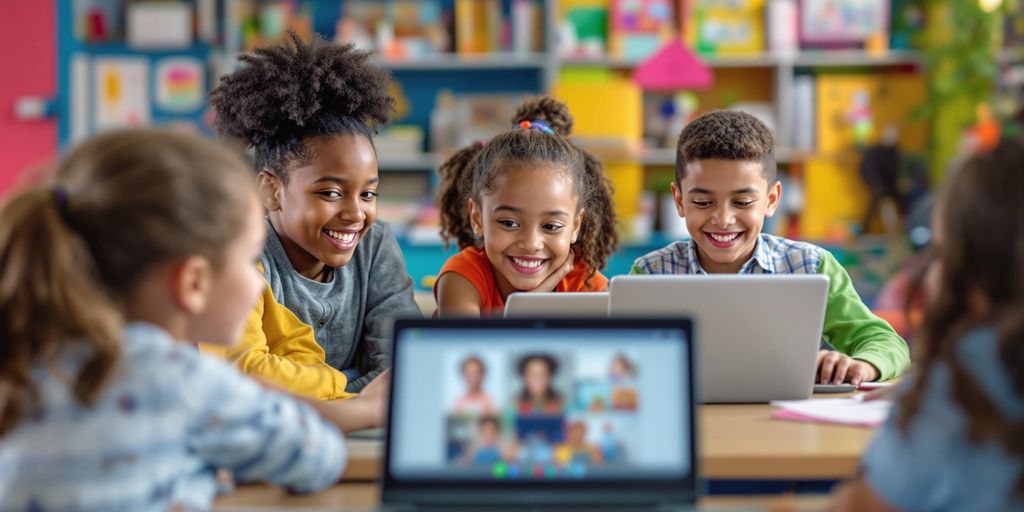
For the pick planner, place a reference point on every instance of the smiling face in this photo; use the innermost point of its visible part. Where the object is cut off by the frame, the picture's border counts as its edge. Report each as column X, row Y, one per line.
column 528, row 222
column 324, row 208
column 724, row 203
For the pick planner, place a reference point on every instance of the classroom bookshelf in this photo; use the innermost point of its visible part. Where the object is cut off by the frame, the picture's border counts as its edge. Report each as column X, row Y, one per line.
column 817, row 95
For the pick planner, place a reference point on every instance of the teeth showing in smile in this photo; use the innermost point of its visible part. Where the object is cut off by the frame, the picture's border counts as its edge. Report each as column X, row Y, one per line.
column 344, row 237
column 724, row 238
column 528, row 263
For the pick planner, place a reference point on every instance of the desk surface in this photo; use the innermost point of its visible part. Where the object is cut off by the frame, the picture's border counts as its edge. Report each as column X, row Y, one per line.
column 353, row 496
column 734, row 442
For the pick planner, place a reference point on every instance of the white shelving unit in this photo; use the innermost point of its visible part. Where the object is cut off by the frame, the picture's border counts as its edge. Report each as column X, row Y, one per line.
column 448, row 62
column 550, row 64
column 784, row 65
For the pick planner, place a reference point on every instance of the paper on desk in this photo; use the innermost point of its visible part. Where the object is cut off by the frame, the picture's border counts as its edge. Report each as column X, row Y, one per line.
column 844, row 411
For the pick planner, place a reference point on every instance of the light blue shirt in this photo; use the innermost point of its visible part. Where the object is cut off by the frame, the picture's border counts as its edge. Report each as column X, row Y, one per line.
column 166, row 420
column 933, row 466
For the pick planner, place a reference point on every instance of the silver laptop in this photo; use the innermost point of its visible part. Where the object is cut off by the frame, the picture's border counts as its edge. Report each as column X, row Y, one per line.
column 538, row 414
column 556, row 304
column 758, row 335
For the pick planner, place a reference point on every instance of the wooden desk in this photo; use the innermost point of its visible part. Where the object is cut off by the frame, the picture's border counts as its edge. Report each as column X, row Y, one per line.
column 363, row 496
column 743, row 442
column 735, row 442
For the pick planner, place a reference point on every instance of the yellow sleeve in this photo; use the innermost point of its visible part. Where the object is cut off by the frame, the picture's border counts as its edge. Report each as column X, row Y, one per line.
column 279, row 347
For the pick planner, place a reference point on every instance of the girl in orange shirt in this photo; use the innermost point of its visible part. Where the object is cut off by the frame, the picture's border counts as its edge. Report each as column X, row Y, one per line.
column 530, row 212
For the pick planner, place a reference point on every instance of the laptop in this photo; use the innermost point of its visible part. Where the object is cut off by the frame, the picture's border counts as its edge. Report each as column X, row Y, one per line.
column 556, row 304
column 541, row 414
column 759, row 334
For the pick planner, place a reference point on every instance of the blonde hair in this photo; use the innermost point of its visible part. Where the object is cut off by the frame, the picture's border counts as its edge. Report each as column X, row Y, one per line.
column 71, row 252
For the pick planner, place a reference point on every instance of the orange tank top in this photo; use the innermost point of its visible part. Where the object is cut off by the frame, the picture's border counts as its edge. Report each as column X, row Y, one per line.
column 472, row 264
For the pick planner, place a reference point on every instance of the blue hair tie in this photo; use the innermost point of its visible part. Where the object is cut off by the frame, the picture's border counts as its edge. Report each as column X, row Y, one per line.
column 538, row 125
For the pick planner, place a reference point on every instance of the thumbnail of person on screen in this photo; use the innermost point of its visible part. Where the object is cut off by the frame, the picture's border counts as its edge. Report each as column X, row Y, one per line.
column 475, row 400
column 487, row 447
column 576, row 450
column 622, row 374
column 538, row 395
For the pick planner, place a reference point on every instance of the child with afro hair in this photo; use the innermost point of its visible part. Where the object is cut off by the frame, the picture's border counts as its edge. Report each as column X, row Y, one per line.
column 336, row 274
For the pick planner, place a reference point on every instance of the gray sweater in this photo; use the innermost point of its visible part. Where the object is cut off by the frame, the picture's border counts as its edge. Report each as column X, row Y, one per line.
column 352, row 316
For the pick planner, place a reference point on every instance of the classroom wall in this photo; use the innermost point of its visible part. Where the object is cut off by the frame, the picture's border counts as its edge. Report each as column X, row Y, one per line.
column 28, row 64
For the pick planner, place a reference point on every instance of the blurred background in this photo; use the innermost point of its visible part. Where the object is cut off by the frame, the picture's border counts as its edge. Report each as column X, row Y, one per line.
column 872, row 101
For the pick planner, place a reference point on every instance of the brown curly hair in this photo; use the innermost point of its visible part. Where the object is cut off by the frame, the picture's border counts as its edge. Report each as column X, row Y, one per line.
column 727, row 135
column 477, row 167
column 979, row 249
column 284, row 94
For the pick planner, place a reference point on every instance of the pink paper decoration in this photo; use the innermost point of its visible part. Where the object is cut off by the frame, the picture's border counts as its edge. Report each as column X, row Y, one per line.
column 672, row 68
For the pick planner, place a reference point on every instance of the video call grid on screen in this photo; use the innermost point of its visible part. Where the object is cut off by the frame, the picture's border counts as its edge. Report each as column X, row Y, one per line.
column 541, row 404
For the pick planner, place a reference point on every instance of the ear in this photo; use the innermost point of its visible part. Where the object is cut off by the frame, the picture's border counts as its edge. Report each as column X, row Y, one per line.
column 578, row 224
column 191, row 282
column 774, row 198
column 677, row 197
column 270, row 190
column 476, row 218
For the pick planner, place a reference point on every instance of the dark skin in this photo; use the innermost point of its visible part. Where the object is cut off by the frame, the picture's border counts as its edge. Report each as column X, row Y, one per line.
column 324, row 208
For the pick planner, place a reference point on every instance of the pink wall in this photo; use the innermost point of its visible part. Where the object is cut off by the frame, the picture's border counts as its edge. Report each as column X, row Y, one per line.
column 27, row 67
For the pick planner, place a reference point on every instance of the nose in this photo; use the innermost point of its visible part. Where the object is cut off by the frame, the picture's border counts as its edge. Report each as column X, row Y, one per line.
column 531, row 240
column 351, row 210
column 723, row 216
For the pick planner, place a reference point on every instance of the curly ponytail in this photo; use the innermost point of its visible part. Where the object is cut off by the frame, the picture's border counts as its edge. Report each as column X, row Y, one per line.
column 453, row 195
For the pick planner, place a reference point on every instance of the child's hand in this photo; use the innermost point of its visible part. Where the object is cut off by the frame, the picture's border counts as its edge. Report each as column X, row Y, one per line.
column 551, row 282
column 836, row 368
column 378, row 388
column 375, row 396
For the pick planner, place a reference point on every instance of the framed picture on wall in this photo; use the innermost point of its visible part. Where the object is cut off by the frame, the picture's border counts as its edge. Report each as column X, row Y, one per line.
column 842, row 23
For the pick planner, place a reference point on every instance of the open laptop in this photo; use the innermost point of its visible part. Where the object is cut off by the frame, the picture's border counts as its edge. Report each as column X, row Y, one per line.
column 537, row 414
column 759, row 334
column 556, row 304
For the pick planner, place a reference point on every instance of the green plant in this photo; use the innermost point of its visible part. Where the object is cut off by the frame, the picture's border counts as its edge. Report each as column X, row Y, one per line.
column 960, row 45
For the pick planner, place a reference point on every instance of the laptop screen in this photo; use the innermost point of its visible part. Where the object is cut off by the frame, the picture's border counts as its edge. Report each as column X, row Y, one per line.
column 499, row 401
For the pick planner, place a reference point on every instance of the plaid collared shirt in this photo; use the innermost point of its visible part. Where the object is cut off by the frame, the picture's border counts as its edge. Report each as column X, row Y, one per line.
column 772, row 255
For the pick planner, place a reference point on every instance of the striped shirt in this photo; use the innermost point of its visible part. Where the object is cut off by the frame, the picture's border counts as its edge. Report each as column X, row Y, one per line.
column 167, row 419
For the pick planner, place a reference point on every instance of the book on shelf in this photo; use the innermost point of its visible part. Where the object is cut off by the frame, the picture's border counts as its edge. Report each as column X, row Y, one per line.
column 475, row 22
column 725, row 27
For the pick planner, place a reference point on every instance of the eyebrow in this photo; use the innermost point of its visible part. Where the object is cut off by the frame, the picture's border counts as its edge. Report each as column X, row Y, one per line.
column 513, row 209
column 342, row 181
column 698, row 190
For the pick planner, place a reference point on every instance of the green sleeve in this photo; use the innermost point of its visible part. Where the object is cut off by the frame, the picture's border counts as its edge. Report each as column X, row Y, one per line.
column 636, row 269
column 852, row 329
